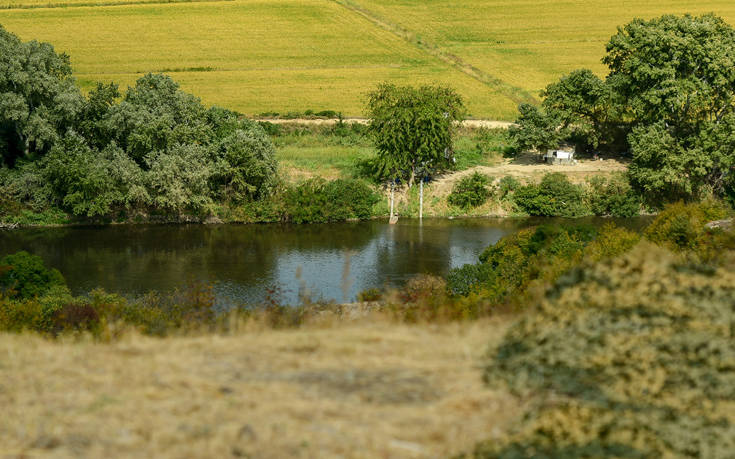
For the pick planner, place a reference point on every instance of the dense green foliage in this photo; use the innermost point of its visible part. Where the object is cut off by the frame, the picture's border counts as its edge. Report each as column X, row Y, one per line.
column 155, row 150
column 509, row 270
column 24, row 276
column 471, row 191
column 38, row 97
column 412, row 128
column 315, row 201
column 554, row 196
column 681, row 227
column 668, row 99
column 619, row 368
column 535, row 130
column 612, row 197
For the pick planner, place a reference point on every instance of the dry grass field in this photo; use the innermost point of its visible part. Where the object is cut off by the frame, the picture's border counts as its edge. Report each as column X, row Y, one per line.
column 291, row 55
column 374, row 389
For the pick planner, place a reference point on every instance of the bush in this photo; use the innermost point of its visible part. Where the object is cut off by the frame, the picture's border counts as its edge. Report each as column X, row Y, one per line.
column 682, row 226
column 555, row 196
column 628, row 358
column 468, row 279
column 178, row 180
column 23, row 276
column 245, row 165
column 522, row 265
column 370, row 295
column 613, row 197
column 471, row 191
column 508, row 185
column 318, row 201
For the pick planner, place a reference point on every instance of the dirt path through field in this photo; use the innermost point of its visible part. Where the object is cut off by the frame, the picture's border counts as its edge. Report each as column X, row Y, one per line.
column 490, row 124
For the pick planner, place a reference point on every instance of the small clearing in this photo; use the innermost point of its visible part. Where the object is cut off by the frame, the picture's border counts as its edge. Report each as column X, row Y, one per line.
column 526, row 168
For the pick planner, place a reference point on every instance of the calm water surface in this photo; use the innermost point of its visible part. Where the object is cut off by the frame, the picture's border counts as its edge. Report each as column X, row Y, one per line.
column 244, row 262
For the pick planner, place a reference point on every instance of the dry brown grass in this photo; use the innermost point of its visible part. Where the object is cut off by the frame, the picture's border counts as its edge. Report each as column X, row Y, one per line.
column 373, row 389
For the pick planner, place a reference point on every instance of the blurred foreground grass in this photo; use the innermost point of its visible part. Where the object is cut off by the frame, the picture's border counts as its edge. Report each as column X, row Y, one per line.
column 371, row 388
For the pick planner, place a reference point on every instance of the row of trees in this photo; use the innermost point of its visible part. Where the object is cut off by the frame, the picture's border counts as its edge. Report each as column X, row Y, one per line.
column 157, row 149
column 667, row 100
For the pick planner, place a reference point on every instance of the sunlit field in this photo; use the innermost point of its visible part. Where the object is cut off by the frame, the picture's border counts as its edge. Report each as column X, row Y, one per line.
column 286, row 55
column 250, row 56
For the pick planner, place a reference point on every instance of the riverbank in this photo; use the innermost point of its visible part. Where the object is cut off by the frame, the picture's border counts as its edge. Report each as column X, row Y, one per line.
column 525, row 169
column 366, row 389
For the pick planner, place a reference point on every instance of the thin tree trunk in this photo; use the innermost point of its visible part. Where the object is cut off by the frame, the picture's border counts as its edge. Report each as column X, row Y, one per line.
column 393, row 218
column 421, row 200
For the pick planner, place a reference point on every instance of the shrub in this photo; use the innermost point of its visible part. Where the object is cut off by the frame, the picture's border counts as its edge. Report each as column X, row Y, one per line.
column 371, row 294
column 682, row 226
column 471, row 191
column 25, row 276
column 423, row 298
column 613, row 197
column 76, row 317
column 178, row 179
column 318, row 201
column 245, row 165
column 628, row 358
column 468, row 278
column 555, row 196
column 508, row 185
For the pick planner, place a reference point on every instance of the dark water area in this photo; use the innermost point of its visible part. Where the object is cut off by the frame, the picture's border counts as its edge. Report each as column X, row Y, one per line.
column 244, row 262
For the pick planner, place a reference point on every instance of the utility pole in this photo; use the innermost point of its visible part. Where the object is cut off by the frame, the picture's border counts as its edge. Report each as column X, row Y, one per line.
column 393, row 219
column 421, row 200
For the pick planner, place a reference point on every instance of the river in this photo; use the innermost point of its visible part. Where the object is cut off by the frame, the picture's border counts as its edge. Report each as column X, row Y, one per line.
column 250, row 263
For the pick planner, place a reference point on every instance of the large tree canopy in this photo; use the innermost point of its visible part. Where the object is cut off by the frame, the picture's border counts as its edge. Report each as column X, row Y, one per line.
column 667, row 99
column 679, row 70
column 412, row 127
column 155, row 149
column 38, row 97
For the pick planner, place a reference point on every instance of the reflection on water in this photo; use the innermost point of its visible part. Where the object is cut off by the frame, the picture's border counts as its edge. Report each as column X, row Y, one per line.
column 331, row 261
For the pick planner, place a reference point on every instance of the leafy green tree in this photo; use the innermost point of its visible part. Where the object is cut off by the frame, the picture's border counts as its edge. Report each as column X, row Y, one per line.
column 92, row 183
column 94, row 125
column 38, row 97
column 178, row 179
column 674, row 69
column 586, row 110
column 663, row 168
column 245, row 165
column 668, row 99
column 156, row 115
column 412, row 127
column 536, row 129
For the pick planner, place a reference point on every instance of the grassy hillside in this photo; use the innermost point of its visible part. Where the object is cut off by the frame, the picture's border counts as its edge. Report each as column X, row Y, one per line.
column 292, row 55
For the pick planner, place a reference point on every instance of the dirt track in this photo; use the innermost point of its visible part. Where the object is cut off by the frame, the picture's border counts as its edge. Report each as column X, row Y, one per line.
column 328, row 122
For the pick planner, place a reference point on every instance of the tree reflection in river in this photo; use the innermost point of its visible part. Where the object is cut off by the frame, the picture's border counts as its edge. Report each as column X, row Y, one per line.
column 244, row 260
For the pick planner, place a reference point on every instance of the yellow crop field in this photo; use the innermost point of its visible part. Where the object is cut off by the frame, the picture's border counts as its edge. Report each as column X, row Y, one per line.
column 526, row 43
column 252, row 56
column 291, row 55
